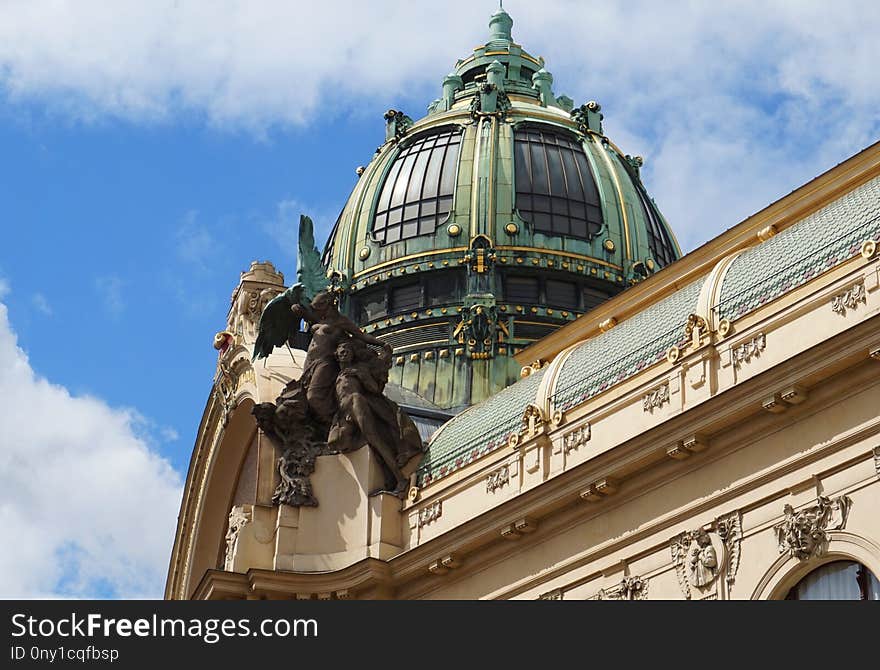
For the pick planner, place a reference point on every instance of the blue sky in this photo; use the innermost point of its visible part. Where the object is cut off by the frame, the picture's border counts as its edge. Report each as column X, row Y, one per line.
column 122, row 244
column 149, row 151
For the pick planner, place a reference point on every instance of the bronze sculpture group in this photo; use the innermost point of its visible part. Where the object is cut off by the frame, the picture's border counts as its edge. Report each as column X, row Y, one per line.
column 337, row 405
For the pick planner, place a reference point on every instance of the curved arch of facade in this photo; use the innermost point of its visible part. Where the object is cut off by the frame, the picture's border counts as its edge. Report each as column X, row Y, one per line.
column 787, row 571
column 202, row 536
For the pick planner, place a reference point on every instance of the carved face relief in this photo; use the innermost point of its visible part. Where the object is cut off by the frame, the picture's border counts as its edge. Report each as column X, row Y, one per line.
column 803, row 534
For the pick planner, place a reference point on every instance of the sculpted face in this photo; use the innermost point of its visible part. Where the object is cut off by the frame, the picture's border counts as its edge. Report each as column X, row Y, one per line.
column 322, row 303
column 345, row 353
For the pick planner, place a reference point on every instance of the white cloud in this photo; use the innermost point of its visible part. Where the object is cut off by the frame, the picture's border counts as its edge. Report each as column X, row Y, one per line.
column 4, row 288
column 733, row 104
column 169, row 434
column 41, row 304
column 87, row 508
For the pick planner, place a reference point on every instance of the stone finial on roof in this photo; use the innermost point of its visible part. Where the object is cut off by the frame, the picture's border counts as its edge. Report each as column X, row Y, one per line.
column 500, row 26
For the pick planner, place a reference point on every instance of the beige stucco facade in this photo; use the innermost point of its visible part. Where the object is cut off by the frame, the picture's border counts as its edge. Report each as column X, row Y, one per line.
column 745, row 458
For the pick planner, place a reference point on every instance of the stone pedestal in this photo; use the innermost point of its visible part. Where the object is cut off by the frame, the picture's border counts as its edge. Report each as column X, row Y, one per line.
column 348, row 525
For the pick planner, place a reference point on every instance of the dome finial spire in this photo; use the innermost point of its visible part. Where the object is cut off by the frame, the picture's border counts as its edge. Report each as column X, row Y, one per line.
column 500, row 25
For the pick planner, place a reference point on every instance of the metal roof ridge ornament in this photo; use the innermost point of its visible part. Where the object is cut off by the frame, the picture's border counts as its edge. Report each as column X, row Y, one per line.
column 396, row 125
column 500, row 28
column 490, row 98
column 588, row 117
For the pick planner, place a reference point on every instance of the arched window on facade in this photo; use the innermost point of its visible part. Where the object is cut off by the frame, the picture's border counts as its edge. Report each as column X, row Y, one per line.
column 840, row 580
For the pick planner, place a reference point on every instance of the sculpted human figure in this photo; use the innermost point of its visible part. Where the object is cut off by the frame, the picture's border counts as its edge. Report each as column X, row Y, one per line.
column 337, row 404
column 365, row 415
column 329, row 329
column 703, row 561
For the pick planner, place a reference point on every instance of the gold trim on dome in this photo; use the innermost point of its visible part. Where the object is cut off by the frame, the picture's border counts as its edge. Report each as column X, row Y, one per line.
column 404, row 259
column 522, row 112
column 567, row 254
column 622, row 202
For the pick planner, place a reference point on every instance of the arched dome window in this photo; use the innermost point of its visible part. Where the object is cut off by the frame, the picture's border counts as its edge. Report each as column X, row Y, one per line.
column 555, row 189
column 840, row 580
column 417, row 194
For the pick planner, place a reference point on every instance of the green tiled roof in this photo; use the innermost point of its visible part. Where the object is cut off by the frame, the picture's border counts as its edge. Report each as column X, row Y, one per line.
column 817, row 243
column 478, row 430
column 626, row 349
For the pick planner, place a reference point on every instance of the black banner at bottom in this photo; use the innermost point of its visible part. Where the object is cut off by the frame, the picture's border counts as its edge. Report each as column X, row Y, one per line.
column 392, row 633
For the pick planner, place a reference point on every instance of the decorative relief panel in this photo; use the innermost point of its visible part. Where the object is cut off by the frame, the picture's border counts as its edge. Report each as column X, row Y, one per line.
column 576, row 438
column 848, row 300
column 746, row 351
column 629, row 588
column 498, row 478
column 656, row 398
column 430, row 513
column 238, row 518
column 247, row 306
column 704, row 555
column 803, row 534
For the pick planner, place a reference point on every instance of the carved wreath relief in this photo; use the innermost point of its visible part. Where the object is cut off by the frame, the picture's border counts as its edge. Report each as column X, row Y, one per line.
column 803, row 534
column 848, row 300
column 703, row 555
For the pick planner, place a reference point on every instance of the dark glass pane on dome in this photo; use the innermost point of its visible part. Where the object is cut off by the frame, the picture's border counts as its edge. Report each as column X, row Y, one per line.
column 521, row 162
column 410, row 229
column 548, row 162
column 557, row 178
column 450, row 163
column 444, row 205
column 414, row 192
column 442, row 288
column 562, row 294
column 540, row 180
column 370, row 305
column 432, row 175
column 593, row 297
column 572, row 178
column 417, row 193
column 521, row 289
column 579, row 228
column 406, row 298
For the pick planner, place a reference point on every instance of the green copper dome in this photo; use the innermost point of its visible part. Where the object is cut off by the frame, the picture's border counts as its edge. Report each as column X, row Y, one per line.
column 501, row 215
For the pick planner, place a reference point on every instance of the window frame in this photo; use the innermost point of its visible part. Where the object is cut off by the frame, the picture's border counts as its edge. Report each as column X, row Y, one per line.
column 589, row 182
column 456, row 138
